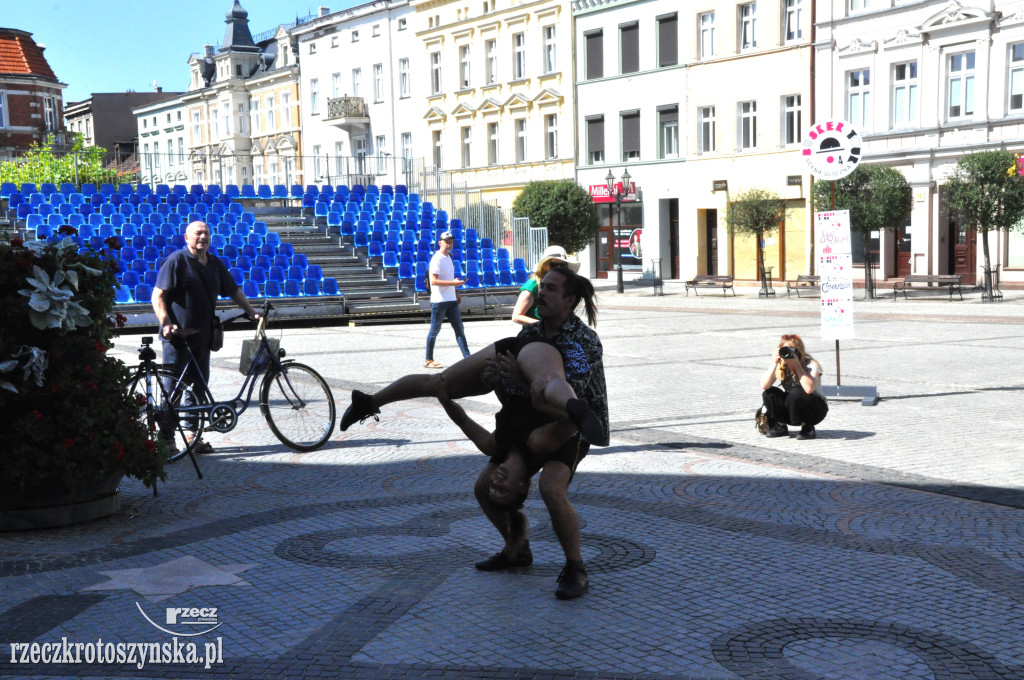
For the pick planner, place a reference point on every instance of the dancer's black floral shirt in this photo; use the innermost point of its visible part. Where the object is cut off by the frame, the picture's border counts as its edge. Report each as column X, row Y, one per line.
column 582, row 354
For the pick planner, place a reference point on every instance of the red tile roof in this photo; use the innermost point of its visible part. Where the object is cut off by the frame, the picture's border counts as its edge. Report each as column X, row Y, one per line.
column 19, row 55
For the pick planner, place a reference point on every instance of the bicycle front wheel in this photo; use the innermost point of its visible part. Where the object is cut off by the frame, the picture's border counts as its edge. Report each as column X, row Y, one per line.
column 159, row 397
column 298, row 406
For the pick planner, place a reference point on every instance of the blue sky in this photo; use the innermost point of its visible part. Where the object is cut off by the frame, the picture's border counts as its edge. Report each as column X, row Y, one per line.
column 118, row 45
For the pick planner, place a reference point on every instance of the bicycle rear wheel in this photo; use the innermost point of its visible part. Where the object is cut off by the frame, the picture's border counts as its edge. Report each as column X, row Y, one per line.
column 298, row 406
column 159, row 411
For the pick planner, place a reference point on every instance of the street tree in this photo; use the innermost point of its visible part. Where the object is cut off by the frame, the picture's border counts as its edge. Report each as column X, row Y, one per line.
column 564, row 207
column 986, row 193
column 878, row 198
column 758, row 213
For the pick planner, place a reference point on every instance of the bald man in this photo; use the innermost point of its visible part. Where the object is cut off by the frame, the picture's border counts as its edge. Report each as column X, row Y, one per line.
column 185, row 299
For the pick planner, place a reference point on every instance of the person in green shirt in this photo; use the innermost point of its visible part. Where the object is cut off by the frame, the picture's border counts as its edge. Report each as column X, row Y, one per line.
column 525, row 311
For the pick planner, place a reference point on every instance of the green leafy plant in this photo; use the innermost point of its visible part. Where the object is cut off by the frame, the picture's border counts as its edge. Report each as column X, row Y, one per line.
column 757, row 212
column 986, row 193
column 67, row 417
column 564, row 207
column 878, row 198
column 80, row 164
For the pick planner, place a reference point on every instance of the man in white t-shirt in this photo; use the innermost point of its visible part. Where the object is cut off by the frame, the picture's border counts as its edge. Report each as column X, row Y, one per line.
column 444, row 301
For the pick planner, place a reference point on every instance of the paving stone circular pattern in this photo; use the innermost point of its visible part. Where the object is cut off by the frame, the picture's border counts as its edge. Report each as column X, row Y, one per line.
column 606, row 554
column 757, row 651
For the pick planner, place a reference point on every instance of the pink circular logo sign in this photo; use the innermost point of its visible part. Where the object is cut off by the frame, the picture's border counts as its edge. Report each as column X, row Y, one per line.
column 832, row 149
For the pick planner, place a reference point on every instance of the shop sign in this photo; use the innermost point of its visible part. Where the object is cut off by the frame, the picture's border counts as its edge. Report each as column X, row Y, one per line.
column 599, row 192
column 719, row 185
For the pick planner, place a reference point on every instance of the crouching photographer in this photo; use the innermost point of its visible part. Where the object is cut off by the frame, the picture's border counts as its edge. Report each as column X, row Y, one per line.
column 797, row 399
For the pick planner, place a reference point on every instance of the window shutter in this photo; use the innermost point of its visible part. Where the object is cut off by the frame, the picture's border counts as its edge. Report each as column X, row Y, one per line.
column 629, row 36
column 595, row 55
column 668, row 41
column 595, row 134
column 631, row 132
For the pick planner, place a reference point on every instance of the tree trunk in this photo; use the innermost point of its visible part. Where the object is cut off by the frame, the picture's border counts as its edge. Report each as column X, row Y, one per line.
column 760, row 258
column 988, row 267
column 869, row 291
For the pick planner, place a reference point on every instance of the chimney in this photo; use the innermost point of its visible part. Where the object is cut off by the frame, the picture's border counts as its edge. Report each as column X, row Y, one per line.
column 208, row 50
column 323, row 11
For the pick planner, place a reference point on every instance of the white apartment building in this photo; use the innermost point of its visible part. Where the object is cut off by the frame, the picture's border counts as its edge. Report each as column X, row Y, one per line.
column 925, row 82
column 698, row 102
column 163, row 150
column 631, row 111
column 361, row 100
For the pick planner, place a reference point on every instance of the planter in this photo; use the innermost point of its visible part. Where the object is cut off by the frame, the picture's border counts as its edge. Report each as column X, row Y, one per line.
column 48, row 506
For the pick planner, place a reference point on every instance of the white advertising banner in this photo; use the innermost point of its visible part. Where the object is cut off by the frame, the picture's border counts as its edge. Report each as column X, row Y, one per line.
column 835, row 267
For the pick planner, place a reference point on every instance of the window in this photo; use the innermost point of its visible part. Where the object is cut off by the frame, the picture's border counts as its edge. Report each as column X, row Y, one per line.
column 747, row 129
column 318, row 170
column 435, row 73
column 286, row 111
column 518, row 56
column 314, row 97
column 551, row 136
column 748, row 26
column 335, row 85
column 707, row 35
column 271, row 113
column 1016, row 86
column 312, row 48
column 595, row 54
column 242, row 117
column 630, row 136
column 492, row 143
column 3, row 110
column 464, row 67
column 50, row 113
column 858, row 97
column 791, row 131
column 595, row 140
column 381, row 149
column 355, row 36
column 467, row 143
column 629, row 48
column 860, row 5
column 156, row 155
column 904, row 94
column 401, row 24
column 376, row 30
column 403, row 78
column 706, row 129
column 334, row 41
column 406, row 151
column 197, row 130
column 961, row 84
column 170, row 151
column 550, row 63
column 520, row 140
column 668, row 131
column 793, row 20
column 254, row 109
column 491, row 50
column 181, row 150
column 357, row 76
column 668, row 40
column 339, row 150
column 437, row 148
column 378, row 82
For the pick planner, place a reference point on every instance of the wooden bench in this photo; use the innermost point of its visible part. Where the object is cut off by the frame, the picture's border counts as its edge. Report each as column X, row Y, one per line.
column 952, row 282
column 804, row 282
column 708, row 281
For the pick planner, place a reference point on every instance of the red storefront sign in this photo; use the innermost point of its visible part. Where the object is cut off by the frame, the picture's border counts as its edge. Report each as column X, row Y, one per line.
column 599, row 192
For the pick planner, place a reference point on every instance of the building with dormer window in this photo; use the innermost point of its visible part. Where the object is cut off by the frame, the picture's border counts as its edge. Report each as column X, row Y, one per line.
column 31, row 97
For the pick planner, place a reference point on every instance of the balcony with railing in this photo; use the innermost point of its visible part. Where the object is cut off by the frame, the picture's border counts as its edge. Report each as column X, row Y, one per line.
column 348, row 114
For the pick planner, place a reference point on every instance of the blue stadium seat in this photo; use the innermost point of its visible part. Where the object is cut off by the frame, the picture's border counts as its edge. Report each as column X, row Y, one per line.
column 251, row 289
column 248, row 191
column 296, row 273
column 276, row 274
column 264, row 191
column 237, row 275
column 521, row 276
column 280, row 191
column 258, row 274
column 123, row 295
column 405, row 271
column 301, row 260
column 314, row 271
column 330, row 286
column 143, row 292
column 243, row 262
column 273, row 289
column 419, row 280
column 130, row 278
column 292, row 288
column 311, row 287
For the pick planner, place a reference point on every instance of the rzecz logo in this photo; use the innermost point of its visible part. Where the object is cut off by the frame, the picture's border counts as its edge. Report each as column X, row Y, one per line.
column 187, row 621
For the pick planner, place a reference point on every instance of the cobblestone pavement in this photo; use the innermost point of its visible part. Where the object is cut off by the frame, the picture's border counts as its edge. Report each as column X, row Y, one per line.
column 892, row 547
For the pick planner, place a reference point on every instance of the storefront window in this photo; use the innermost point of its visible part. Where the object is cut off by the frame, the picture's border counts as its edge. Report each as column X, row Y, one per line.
column 1015, row 250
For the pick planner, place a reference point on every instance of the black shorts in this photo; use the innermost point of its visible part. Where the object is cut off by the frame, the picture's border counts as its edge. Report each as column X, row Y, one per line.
column 569, row 454
column 516, row 343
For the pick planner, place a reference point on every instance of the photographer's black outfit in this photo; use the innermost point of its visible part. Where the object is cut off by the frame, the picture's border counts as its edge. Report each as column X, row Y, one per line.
column 788, row 403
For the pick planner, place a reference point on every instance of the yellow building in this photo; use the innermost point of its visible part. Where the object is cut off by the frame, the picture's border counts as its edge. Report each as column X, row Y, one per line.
column 499, row 102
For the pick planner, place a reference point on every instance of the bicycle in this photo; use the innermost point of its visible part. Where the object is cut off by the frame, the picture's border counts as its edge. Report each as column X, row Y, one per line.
column 295, row 400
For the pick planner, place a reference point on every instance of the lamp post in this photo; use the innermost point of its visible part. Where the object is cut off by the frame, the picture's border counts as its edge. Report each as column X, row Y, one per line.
column 618, row 193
